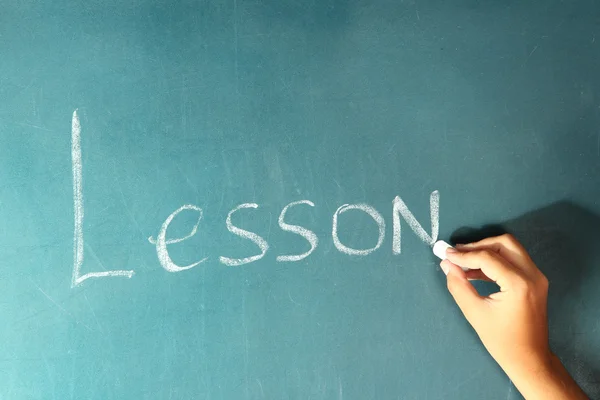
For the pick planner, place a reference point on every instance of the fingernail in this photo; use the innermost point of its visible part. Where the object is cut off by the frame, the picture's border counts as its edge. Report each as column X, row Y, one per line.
column 459, row 245
column 451, row 250
column 445, row 266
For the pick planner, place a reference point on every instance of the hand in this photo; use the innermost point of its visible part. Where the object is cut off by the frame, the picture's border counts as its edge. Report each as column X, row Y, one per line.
column 511, row 323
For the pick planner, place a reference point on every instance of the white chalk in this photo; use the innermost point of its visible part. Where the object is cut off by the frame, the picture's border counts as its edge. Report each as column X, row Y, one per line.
column 78, row 243
column 439, row 249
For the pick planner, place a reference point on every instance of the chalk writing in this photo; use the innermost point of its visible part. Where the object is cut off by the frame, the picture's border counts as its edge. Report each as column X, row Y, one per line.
column 373, row 213
column 78, row 243
column 399, row 211
column 260, row 242
column 305, row 233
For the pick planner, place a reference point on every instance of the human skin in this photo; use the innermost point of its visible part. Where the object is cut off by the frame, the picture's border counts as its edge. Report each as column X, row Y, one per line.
column 513, row 322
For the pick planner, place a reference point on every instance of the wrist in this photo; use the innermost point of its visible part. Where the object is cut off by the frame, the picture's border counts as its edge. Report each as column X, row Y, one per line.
column 530, row 364
column 531, row 372
column 544, row 377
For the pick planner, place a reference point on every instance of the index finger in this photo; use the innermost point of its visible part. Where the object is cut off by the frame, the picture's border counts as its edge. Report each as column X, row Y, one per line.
column 506, row 246
column 490, row 263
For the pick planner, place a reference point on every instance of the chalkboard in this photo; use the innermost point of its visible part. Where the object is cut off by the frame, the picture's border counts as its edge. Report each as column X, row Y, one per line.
column 236, row 199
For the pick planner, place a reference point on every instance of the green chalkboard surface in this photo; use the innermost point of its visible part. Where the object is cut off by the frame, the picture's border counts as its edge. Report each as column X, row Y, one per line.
column 236, row 199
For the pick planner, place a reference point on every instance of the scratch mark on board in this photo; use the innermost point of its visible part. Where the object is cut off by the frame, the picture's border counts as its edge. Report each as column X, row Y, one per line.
column 464, row 382
column 235, row 42
column 292, row 300
column 91, row 250
column 245, row 342
column 128, row 210
column 269, row 231
column 529, row 56
column 187, row 179
column 93, row 313
column 262, row 392
column 337, row 183
column 35, row 126
column 61, row 308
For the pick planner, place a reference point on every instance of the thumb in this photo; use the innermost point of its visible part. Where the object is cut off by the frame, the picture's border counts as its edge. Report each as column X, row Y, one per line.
column 465, row 295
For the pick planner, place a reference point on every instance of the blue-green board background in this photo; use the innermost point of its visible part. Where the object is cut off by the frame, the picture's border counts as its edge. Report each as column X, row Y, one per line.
column 495, row 104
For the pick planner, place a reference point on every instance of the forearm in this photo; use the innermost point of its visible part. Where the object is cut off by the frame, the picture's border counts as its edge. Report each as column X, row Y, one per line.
column 547, row 380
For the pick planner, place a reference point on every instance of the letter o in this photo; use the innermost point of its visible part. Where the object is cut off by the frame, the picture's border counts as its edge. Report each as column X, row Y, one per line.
column 372, row 213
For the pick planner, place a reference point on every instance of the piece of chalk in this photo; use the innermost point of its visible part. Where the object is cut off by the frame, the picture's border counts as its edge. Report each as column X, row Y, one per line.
column 439, row 249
